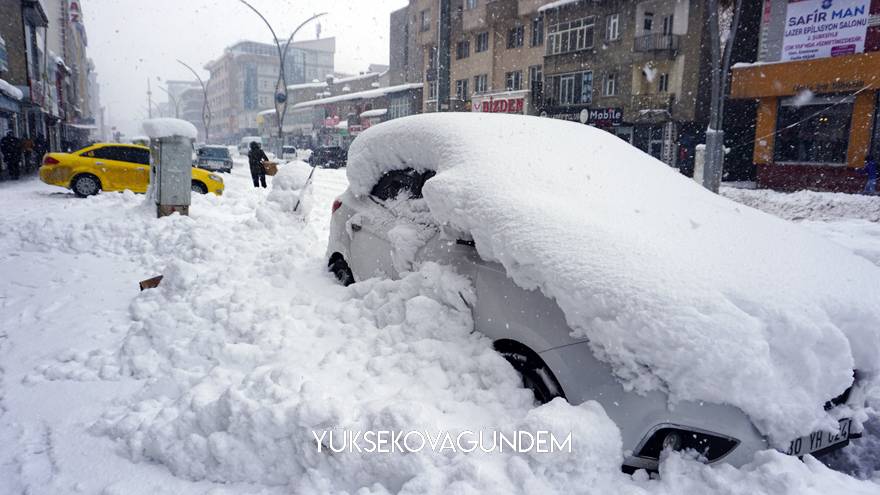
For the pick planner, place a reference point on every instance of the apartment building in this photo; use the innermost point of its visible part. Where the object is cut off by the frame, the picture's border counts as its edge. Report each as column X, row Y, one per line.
column 635, row 68
column 244, row 79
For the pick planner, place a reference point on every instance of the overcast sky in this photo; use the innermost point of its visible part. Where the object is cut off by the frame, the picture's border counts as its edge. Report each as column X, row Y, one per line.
column 132, row 40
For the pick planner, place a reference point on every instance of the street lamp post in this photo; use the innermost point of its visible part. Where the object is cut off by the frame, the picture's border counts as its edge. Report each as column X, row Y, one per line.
column 206, row 109
column 281, row 91
column 173, row 101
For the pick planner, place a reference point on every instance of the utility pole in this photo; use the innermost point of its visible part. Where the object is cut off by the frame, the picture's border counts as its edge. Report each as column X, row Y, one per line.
column 281, row 91
column 443, row 56
column 714, row 155
column 149, row 100
column 206, row 108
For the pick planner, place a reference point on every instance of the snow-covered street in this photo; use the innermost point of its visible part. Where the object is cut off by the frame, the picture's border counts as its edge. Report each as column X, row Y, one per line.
column 214, row 382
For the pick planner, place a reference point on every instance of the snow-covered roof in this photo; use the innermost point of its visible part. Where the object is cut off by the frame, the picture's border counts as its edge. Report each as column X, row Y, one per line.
column 678, row 289
column 341, row 80
column 160, row 128
column 557, row 4
column 376, row 112
column 10, row 90
column 360, row 95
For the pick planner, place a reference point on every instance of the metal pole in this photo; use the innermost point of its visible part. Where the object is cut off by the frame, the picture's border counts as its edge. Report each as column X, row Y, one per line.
column 443, row 59
column 173, row 101
column 206, row 109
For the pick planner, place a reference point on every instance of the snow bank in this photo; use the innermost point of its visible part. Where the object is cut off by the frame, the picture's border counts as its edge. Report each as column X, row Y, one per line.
column 678, row 289
column 808, row 205
column 166, row 127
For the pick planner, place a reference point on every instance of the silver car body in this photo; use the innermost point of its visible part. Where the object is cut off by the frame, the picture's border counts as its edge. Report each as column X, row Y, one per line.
column 504, row 311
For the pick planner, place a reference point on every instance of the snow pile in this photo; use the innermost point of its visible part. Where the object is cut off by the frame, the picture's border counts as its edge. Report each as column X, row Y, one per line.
column 678, row 289
column 167, row 127
column 10, row 90
column 808, row 205
column 289, row 191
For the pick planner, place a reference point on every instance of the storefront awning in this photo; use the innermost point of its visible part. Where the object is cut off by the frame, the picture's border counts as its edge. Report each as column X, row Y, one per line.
column 844, row 74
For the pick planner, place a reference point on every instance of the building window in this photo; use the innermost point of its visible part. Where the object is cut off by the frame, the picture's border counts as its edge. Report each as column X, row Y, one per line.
column 513, row 80
column 463, row 49
column 461, row 89
column 667, row 25
column 817, row 132
column 481, row 83
column 432, row 90
column 573, row 36
column 571, row 89
column 612, row 27
column 536, row 76
column 648, row 22
column 515, row 36
column 537, row 31
column 400, row 107
column 470, row 4
column 426, row 20
column 482, row 42
column 610, row 84
column 663, row 83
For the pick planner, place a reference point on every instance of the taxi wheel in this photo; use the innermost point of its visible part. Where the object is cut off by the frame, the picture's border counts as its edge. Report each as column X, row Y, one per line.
column 85, row 185
column 198, row 187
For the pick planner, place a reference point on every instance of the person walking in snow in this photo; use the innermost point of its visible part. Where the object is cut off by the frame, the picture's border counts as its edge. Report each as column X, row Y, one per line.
column 10, row 146
column 256, row 157
column 870, row 169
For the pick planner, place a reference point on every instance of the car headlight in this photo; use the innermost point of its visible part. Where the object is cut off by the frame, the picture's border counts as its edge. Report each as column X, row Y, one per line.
column 216, row 178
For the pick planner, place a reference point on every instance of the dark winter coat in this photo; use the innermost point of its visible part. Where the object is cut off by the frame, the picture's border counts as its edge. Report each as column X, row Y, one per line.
column 255, row 158
column 10, row 146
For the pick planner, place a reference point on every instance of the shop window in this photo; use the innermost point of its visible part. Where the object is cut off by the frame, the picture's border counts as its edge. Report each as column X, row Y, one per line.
column 817, row 132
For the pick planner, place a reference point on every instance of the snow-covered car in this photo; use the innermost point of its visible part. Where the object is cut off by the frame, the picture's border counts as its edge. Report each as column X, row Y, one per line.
column 288, row 153
column 602, row 274
column 214, row 158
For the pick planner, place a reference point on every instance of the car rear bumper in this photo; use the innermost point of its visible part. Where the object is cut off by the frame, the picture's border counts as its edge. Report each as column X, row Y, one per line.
column 55, row 175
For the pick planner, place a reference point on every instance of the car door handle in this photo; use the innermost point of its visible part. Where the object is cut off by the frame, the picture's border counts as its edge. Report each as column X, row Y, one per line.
column 99, row 163
column 356, row 228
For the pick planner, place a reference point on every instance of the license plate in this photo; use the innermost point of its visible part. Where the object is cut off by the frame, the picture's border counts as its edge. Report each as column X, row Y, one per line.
column 819, row 440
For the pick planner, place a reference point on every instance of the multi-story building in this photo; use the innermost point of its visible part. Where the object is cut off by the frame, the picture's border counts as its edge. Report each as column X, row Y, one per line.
column 816, row 83
column 244, row 81
column 191, row 106
column 304, row 123
column 631, row 67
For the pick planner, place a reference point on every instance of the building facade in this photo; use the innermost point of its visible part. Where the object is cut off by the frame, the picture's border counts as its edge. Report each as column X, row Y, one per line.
column 244, row 79
column 633, row 68
column 816, row 84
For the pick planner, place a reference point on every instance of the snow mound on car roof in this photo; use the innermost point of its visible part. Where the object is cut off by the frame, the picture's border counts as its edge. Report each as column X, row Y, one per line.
column 678, row 289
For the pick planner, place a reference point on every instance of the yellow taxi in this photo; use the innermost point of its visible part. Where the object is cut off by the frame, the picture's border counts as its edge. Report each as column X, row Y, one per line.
column 113, row 167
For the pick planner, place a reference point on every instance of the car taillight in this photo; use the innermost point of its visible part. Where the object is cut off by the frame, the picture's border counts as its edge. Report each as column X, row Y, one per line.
column 336, row 205
column 48, row 160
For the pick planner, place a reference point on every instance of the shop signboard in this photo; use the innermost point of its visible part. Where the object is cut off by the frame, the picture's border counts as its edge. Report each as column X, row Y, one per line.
column 600, row 117
column 508, row 102
column 824, row 28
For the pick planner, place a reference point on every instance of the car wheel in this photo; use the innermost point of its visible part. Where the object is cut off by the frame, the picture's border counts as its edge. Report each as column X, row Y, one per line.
column 535, row 376
column 198, row 187
column 86, row 185
column 341, row 270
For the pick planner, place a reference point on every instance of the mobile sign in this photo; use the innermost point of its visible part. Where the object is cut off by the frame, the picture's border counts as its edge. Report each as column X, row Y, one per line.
column 824, row 28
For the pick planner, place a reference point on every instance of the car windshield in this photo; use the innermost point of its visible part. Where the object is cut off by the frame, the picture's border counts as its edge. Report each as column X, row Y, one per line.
column 213, row 152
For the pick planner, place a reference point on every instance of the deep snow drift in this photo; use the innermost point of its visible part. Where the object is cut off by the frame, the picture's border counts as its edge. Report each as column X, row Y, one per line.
column 678, row 289
column 211, row 383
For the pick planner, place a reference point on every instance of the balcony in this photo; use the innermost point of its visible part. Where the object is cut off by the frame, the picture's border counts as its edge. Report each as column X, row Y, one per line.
column 657, row 43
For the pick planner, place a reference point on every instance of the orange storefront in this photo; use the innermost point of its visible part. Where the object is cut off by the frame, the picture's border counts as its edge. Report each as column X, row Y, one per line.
column 816, row 120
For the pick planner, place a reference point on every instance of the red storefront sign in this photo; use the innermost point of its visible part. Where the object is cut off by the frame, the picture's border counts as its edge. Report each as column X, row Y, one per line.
column 503, row 105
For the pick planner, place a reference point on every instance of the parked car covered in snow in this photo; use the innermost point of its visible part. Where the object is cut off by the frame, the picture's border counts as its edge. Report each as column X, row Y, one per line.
column 328, row 157
column 214, row 158
column 601, row 274
column 112, row 167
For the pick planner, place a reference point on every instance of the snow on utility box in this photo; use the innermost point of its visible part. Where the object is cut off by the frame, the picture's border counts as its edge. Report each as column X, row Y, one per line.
column 171, row 145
